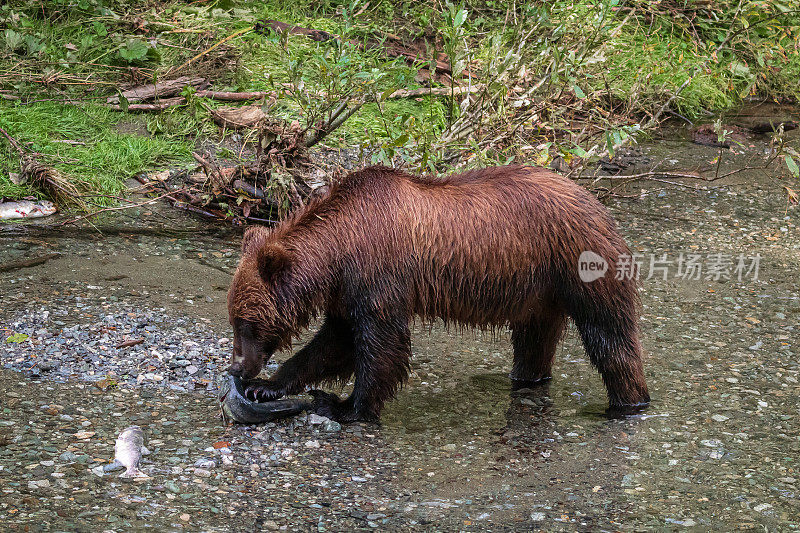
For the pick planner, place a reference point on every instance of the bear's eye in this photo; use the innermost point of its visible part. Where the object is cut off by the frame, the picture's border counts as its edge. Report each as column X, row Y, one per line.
column 247, row 329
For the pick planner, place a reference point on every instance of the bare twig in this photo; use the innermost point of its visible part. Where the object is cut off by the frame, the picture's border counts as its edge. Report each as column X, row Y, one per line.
column 13, row 141
column 663, row 176
column 325, row 129
column 119, row 208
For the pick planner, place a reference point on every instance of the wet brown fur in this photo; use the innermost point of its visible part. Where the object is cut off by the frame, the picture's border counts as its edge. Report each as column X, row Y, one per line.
column 488, row 248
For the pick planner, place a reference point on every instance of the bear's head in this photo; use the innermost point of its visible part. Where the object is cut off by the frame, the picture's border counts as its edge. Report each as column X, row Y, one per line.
column 257, row 309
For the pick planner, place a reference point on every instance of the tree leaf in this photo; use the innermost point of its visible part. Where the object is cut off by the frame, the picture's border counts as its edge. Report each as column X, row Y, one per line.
column 100, row 28
column 461, row 16
column 13, row 40
column 790, row 162
column 134, row 50
column 578, row 151
column 16, row 338
column 609, row 145
column 123, row 102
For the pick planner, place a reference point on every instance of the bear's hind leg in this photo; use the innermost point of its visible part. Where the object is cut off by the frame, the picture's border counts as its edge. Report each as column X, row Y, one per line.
column 535, row 348
column 612, row 343
column 382, row 364
column 326, row 357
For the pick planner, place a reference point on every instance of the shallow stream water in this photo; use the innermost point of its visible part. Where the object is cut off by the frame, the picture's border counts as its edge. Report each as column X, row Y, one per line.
column 717, row 449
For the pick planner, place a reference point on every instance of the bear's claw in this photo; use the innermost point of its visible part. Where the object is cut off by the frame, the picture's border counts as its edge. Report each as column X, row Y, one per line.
column 263, row 391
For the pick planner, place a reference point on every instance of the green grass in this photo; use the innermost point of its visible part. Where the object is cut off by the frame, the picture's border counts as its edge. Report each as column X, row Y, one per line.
column 651, row 68
column 100, row 165
column 651, row 63
column 86, row 49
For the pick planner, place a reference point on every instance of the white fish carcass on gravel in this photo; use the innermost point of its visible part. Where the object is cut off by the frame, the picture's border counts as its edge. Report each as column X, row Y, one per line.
column 26, row 209
column 128, row 451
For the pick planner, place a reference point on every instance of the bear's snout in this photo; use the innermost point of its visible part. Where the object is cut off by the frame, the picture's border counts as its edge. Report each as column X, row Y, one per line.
column 236, row 369
column 248, row 358
column 244, row 369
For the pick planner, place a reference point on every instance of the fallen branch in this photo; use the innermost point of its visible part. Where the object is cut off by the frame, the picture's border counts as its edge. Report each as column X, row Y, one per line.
column 395, row 47
column 250, row 190
column 158, row 90
column 118, row 208
column 234, row 96
column 25, row 263
column 166, row 103
column 662, row 176
column 282, row 27
column 128, row 343
column 13, row 142
column 177, row 204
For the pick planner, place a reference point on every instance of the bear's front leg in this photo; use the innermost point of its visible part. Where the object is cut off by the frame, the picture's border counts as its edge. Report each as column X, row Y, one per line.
column 382, row 362
column 327, row 357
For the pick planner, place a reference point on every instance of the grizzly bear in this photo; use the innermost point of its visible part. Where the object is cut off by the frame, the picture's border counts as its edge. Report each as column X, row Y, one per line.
column 491, row 248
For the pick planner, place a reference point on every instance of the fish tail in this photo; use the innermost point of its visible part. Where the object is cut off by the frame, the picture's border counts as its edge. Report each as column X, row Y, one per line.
column 133, row 472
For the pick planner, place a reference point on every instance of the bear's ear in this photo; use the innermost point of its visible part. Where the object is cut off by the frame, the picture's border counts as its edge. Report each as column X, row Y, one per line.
column 252, row 236
column 272, row 261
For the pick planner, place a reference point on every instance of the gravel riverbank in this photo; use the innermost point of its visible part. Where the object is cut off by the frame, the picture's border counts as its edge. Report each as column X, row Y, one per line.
column 456, row 450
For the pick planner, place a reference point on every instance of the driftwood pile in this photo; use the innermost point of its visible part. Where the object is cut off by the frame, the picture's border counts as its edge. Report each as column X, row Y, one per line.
column 161, row 96
column 280, row 177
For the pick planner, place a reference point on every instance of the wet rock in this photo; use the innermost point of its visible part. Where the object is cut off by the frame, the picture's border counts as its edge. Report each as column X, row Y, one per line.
column 113, row 467
column 314, row 419
column 331, row 426
column 205, row 463
column 67, row 457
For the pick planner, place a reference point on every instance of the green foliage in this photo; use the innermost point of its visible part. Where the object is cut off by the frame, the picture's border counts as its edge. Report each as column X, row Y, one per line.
column 13, row 41
column 606, row 63
column 134, row 51
column 16, row 338
column 791, row 164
